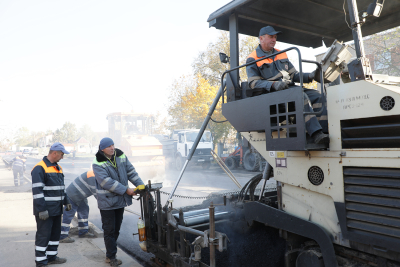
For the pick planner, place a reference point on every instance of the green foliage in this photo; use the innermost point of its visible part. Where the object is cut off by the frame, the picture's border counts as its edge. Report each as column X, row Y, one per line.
column 208, row 63
column 67, row 134
column 6, row 138
column 383, row 51
column 189, row 106
column 86, row 132
column 160, row 124
column 23, row 137
column 191, row 96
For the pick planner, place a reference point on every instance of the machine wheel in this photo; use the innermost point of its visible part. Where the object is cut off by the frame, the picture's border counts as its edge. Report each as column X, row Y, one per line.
column 178, row 162
column 251, row 161
column 206, row 165
column 231, row 163
column 310, row 258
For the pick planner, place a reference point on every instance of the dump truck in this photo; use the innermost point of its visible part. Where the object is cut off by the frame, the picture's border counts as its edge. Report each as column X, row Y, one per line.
column 334, row 204
column 131, row 133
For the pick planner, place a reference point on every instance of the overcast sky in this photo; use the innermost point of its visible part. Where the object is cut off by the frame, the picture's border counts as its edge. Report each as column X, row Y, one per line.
column 78, row 61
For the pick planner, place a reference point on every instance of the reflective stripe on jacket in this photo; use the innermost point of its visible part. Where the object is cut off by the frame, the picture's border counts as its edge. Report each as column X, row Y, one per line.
column 48, row 188
column 112, row 183
column 82, row 187
column 263, row 73
column 18, row 164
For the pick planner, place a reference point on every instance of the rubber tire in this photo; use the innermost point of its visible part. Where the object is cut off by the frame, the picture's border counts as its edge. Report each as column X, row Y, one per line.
column 231, row 163
column 310, row 258
column 251, row 161
column 206, row 165
column 178, row 162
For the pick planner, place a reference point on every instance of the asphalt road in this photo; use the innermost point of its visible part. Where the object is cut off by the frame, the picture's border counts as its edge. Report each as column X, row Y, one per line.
column 195, row 182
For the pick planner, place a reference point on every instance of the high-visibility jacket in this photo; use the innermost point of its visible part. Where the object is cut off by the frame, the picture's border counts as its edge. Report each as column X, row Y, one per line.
column 18, row 164
column 82, row 187
column 48, row 188
column 262, row 74
column 112, row 181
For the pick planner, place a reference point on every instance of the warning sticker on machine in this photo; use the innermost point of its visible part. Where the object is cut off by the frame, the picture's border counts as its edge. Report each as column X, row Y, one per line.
column 280, row 154
column 280, row 163
column 272, row 154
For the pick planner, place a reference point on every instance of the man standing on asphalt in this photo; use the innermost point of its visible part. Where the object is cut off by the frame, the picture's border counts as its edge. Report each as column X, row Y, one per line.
column 113, row 170
column 49, row 196
column 78, row 191
column 18, row 167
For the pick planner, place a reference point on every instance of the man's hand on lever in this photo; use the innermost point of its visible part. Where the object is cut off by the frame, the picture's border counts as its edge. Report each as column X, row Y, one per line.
column 130, row 192
column 316, row 75
column 278, row 86
column 133, row 192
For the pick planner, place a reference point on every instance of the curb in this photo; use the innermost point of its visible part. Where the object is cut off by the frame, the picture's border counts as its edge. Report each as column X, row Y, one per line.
column 96, row 231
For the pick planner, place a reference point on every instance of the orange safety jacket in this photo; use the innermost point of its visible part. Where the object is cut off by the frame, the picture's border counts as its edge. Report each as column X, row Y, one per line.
column 48, row 188
column 262, row 74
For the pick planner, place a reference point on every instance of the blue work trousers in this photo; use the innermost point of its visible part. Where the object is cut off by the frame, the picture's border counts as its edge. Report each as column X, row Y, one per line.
column 18, row 172
column 47, row 239
column 83, row 214
column 313, row 103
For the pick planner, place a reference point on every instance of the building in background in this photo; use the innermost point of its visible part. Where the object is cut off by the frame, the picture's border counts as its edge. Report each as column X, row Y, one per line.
column 83, row 145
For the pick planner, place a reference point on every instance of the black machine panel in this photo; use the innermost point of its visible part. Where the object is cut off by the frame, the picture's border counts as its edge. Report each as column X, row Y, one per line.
column 376, row 132
column 278, row 114
column 371, row 212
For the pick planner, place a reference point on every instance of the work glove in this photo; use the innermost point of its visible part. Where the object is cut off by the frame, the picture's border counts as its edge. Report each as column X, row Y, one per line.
column 278, row 86
column 68, row 207
column 44, row 215
column 316, row 75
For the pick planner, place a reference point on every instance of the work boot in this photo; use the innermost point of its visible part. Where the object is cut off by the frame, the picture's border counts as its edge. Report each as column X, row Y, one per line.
column 67, row 240
column 118, row 262
column 320, row 138
column 57, row 260
column 87, row 235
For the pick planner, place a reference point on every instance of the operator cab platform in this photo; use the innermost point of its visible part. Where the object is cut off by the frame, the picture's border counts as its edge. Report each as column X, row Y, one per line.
column 278, row 114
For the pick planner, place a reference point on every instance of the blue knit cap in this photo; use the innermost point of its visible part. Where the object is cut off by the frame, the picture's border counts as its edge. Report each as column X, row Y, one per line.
column 106, row 142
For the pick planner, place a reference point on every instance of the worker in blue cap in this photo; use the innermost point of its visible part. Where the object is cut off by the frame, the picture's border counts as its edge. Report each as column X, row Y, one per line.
column 278, row 73
column 49, row 197
column 113, row 170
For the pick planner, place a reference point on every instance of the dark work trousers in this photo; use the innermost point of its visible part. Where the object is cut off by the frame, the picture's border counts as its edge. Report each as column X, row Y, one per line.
column 83, row 214
column 313, row 102
column 20, row 172
column 47, row 239
column 112, row 220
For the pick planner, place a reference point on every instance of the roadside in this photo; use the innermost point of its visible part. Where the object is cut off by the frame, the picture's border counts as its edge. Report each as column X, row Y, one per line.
column 18, row 228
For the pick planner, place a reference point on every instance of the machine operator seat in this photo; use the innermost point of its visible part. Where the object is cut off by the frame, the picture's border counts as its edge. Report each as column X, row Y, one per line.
column 278, row 114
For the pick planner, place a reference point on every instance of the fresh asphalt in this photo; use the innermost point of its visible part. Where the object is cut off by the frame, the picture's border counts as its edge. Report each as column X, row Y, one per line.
column 195, row 182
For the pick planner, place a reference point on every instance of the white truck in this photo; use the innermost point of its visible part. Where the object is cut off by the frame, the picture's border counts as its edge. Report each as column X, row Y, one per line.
column 177, row 148
column 202, row 156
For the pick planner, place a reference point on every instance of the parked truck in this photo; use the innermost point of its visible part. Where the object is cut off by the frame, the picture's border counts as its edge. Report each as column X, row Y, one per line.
column 178, row 146
column 334, row 204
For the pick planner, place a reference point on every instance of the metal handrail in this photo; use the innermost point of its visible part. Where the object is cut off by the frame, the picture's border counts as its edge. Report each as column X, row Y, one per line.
column 263, row 58
column 322, row 88
column 300, row 70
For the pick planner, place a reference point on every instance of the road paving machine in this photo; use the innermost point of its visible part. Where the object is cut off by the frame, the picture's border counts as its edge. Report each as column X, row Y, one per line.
column 332, row 205
column 131, row 133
